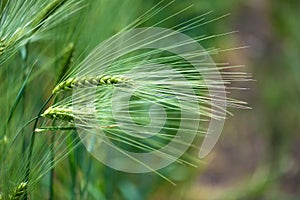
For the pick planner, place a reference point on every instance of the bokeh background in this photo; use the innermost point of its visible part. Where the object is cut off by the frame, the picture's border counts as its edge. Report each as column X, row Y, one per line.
column 257, row 156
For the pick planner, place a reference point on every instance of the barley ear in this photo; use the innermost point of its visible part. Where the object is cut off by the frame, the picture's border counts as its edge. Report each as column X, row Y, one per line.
column 84, row 82
column 58, row 113
column 18, row 192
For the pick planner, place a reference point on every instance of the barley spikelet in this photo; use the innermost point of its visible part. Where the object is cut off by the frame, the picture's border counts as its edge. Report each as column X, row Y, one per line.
column 70, row 114
column 2, row 46
column 85, row 82
column 59, row 113
column 18, row 192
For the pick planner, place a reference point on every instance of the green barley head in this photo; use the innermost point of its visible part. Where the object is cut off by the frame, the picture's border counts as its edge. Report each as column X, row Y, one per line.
column 143, row 96
column 136, row 102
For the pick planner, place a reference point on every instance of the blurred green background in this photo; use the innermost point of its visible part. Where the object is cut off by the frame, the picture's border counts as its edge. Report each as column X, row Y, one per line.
column 258, row 155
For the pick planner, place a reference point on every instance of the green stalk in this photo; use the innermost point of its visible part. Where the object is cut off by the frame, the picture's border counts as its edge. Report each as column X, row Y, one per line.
column 31, row 143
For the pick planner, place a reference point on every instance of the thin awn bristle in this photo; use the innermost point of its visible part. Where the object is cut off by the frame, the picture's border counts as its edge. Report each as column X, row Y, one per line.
column 85, row 82
column 41, row 17
column 46, row 12
column 21, row 21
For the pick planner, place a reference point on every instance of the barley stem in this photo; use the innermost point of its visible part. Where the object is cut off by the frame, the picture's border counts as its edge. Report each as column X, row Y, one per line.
column 31, row 145
column 54, row 128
